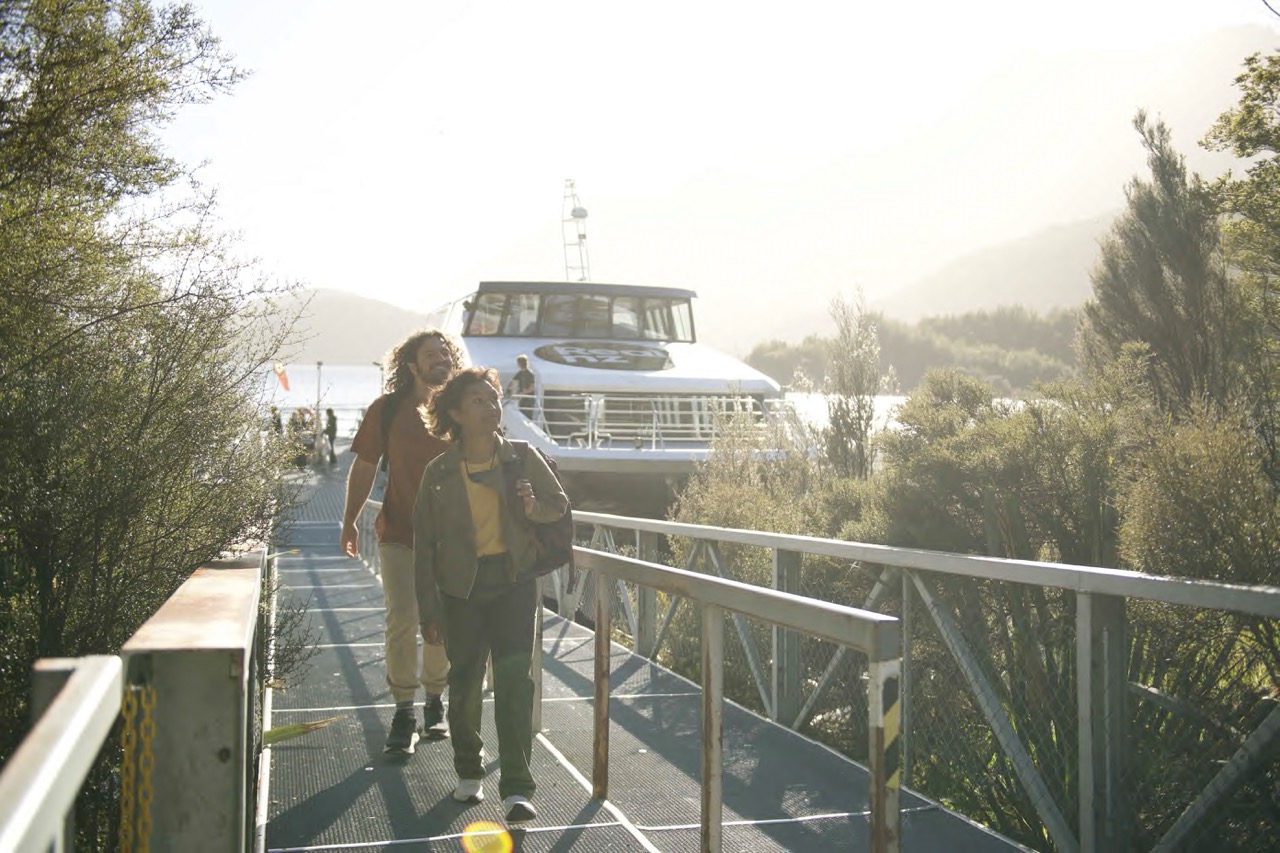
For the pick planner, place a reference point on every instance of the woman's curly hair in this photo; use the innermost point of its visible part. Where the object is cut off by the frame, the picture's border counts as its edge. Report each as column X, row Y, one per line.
column 438, row 419
column 396, row 363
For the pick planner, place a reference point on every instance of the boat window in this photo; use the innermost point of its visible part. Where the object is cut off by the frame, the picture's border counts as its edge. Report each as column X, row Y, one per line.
column 657, row 320
column 557, row 315
column 522, row 315
column 486, row 317
column 681, row 321
column 626, row 317
column 593, row 317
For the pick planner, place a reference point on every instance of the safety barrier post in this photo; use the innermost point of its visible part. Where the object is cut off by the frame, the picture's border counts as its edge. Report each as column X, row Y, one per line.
column 192, row 661
column 786, row 643
column 886, row 770
column 712, row 726
column 600, row 743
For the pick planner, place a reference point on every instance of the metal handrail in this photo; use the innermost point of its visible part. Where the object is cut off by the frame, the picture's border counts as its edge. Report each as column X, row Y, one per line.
column 41, row 780
column 875, row 634
column 1100, row 656
column 1215, row 595
column 197, row 652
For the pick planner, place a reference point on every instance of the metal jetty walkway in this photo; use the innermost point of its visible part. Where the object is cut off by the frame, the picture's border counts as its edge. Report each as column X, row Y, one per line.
column 334, row 789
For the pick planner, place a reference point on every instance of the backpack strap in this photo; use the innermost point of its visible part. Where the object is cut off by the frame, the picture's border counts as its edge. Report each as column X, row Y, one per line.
column 515, row 470
column 389, row 408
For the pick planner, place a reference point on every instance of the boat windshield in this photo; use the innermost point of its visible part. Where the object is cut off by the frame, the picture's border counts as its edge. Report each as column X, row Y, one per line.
column 580, row 315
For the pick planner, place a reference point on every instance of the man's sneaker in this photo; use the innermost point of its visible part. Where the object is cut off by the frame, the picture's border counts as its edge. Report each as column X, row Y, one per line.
column 434, row 724
column 469, row 791
column 518, row 809
column 404, row 732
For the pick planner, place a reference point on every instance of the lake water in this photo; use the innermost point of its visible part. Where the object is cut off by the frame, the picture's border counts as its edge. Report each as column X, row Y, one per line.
column 348, row 389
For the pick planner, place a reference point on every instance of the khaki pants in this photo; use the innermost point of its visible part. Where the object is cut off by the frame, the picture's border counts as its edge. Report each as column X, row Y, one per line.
column 403, row 675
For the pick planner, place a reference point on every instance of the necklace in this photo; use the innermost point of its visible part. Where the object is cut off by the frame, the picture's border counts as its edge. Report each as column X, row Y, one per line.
column 477, row 476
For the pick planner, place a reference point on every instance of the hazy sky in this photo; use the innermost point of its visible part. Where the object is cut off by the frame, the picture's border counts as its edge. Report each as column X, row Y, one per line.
column 403, row 150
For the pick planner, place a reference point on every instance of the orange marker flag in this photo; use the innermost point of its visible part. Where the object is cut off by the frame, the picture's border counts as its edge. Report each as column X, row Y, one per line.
column 282, row 376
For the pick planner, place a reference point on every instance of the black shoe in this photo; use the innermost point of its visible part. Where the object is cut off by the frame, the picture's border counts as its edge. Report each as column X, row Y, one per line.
column 404, row 732
column 434, row 724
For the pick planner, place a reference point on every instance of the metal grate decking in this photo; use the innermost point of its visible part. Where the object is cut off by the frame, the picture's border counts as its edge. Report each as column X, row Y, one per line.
column 334, row 789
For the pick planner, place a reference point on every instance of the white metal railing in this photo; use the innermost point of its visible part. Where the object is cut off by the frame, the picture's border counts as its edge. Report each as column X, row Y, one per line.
column 874, row 634
column 1101, row 594
column 640, row 420
column 75, row 702
column 190, row 675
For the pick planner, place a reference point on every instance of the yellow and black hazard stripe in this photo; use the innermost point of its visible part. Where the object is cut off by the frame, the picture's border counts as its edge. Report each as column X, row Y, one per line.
column 891, row 710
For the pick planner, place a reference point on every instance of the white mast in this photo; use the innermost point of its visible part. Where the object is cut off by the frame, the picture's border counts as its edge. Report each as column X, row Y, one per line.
column 577, row 266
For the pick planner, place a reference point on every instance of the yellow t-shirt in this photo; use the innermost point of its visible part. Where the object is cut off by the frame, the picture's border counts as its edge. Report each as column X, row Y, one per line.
column 484, row 511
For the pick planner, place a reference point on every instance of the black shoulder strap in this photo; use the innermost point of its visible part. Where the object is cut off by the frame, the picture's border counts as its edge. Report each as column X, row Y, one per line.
column 389, row 408
column 388, row 415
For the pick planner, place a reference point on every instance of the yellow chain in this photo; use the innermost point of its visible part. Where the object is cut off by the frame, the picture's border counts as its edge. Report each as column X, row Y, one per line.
column 146, row 763
column 128, row 744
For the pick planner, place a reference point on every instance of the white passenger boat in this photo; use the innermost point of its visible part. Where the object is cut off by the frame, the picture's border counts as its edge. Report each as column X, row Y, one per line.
column 623, row 388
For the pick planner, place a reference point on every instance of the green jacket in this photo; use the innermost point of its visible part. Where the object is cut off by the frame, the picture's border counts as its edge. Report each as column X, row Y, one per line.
column 444, row 542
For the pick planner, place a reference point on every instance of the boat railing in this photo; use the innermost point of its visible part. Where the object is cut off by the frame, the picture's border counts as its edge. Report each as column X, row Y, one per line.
column 187, row 691
column 586, row 419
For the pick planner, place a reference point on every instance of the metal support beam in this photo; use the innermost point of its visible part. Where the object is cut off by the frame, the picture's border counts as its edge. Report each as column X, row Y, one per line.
column 904, row 686
column 1101, row 689
column 646, row 637
column 786, row 643
column 1048, row 810
column 712, row 727
column 885, row 751
column 1255, row 749
column 600, row 741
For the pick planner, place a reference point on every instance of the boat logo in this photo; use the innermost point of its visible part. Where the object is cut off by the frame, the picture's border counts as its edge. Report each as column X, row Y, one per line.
column 606, row 355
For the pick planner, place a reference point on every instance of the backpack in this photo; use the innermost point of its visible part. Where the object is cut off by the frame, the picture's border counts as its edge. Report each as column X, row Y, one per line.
column 553, row 541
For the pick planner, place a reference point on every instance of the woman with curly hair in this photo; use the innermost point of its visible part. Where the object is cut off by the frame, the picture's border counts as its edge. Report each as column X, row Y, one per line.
column 473, row 548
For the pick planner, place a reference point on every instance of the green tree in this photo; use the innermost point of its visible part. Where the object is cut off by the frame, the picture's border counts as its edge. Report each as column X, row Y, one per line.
column 132, row 446
column 1252, row 229
column 1162, row 281
column 854, row 378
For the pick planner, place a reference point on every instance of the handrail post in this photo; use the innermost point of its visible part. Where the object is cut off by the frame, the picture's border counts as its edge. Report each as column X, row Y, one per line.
column 786, row 643
column 197, row 652
column 885, row 753
column 1101, row 690
column 712, row 727
column 48, row 677
column 600, row 742
column 646, row 599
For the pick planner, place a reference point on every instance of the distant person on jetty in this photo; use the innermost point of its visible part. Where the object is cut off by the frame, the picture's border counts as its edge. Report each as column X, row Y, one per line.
column 393, row 429
column 473, row 549
column 522, row 386
column 277, row 425
column 331, row 433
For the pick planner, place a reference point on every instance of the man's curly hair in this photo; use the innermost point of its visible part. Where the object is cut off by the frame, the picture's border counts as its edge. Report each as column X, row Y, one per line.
column 396, row 364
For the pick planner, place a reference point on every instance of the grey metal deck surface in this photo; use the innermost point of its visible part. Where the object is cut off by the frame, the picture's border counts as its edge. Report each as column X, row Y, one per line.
column 334, row 789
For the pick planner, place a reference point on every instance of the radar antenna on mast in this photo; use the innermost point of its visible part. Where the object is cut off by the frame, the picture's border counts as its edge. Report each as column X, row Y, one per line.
column 577, row 265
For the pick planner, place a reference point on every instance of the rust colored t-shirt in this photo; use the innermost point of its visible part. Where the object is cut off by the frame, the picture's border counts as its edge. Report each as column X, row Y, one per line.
column 411, row 448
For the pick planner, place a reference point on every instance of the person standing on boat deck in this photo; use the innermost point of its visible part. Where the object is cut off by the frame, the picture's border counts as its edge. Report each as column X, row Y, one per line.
column 522, row 386
column 472, row 551
column 331, row 433
column 393, row 430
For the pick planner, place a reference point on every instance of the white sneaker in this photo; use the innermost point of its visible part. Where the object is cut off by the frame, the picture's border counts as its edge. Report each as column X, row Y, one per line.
column 469, row 791
column 518, row 809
